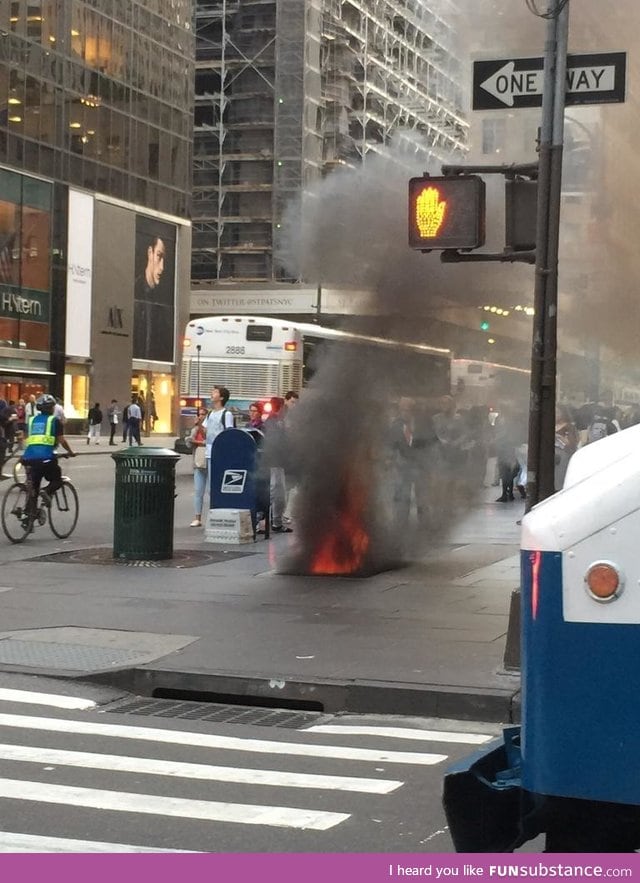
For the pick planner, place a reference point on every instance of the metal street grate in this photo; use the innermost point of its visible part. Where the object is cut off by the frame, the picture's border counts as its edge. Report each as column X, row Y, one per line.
column 182, row 558
column 218, row 713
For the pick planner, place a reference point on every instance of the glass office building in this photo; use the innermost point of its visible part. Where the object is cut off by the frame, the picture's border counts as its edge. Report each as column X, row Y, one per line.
column 96, row 112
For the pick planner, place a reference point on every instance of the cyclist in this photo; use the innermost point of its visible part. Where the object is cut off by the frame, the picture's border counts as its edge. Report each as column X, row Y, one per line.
column 45, row 433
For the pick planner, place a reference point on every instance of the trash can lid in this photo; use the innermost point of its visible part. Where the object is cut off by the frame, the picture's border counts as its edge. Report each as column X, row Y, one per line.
column 145, row 452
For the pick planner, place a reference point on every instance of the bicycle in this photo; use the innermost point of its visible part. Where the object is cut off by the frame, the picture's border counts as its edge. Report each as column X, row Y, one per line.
column 21, row 511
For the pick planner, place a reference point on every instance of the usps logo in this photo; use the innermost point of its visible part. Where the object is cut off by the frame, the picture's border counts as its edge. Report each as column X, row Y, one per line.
column 233, row 481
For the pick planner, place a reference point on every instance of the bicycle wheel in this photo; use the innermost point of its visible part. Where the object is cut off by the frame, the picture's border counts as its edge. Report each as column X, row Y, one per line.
column 16, row 521
column 63, row 511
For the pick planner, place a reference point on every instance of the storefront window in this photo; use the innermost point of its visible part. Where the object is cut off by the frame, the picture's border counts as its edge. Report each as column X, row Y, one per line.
column 13, row 390
column 25, row 264
column 76, row 392
column 155, row 393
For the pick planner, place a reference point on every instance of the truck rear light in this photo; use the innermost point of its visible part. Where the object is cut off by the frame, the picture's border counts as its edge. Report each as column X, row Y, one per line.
column 604, row 581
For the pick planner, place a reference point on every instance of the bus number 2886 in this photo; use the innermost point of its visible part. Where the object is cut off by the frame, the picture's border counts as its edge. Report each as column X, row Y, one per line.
column 235, row 351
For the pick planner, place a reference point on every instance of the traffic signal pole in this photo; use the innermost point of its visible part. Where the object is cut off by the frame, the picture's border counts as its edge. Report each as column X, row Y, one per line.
column 542, row 402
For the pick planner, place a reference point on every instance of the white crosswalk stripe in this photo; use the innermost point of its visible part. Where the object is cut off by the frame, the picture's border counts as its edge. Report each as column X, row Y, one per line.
column 151, row 766
column 207, row 740
column 10, row 842
column 209, row 810
column 52, row 699
column 309, row 785
column 401, row 733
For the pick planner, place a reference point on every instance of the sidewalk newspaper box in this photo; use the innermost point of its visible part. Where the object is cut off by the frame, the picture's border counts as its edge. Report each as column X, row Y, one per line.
column 233, row 513
column 144, row 503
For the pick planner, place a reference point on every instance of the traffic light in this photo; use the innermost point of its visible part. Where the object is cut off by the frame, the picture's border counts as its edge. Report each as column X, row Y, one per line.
column 484, row 325
column 446, row 212
column 521, row 206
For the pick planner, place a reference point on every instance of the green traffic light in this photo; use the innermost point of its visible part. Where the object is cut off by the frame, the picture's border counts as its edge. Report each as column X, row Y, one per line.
column 484, row 326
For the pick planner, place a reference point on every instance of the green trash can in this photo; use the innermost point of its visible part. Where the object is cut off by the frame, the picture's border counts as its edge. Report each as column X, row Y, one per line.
column 144, row 504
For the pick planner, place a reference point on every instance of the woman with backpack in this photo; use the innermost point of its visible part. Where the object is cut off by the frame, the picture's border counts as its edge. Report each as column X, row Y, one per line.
column 198, row 439
column 212, row 423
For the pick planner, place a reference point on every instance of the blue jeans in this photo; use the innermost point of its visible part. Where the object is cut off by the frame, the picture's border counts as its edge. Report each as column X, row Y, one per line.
column 200, row 483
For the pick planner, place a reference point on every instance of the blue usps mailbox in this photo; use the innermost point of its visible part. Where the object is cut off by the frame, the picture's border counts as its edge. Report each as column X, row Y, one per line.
column 233, row 472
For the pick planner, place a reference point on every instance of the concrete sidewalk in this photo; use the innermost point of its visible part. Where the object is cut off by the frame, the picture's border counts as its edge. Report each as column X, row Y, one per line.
column 426, row 639
column 79, row 443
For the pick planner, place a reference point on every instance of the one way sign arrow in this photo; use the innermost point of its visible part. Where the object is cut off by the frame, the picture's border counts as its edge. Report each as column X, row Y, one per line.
column 591, row 79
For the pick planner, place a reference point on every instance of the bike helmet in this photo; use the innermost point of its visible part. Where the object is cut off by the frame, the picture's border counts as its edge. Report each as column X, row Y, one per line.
column 45, row 403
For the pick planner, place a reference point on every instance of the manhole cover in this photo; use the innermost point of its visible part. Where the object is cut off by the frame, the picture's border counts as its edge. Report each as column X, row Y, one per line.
column 79, row 649
column 67, row 657
column 182, row 558
column 216, row 712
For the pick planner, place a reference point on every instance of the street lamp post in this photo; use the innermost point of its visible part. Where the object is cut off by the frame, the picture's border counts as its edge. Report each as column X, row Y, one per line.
column 542, row 401
column 541, row 459
column 198, row 348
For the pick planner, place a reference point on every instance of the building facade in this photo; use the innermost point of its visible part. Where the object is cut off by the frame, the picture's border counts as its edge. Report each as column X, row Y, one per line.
column 286, row 91
column 95, row 166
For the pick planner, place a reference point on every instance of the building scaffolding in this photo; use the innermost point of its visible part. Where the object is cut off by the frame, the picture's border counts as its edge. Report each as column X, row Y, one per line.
column 286, row 90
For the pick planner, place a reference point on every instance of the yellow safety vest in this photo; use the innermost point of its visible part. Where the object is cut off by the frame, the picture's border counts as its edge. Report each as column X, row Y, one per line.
column 46, row 438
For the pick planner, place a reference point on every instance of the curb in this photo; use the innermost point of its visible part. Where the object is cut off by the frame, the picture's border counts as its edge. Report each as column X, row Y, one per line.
column 493, row 705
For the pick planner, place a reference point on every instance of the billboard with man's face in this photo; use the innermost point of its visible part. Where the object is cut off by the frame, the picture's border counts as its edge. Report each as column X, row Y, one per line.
column 154, row 301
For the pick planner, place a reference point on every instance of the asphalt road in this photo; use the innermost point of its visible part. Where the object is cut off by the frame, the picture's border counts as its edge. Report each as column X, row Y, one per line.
column 91, row 778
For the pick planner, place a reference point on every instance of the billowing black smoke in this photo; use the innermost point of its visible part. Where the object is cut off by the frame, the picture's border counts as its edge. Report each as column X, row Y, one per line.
column 352, row 233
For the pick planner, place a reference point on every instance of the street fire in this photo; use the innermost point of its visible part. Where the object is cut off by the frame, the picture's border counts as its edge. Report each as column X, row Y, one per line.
column 342, row 549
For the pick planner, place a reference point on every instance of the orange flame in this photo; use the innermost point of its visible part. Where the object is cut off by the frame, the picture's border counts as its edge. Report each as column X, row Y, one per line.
column 343, row 548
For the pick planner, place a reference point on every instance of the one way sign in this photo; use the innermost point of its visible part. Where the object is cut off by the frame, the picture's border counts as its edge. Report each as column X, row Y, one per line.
column 591, row 79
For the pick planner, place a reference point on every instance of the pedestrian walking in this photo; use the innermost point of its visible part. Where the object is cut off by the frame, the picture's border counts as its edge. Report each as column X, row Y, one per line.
column 95, row 424
column 125, row 423
column 113, row 416
column 58, row 412
column 30, row 410
column 4, row 423
column 291, row 477
column 11, row 417
column 275, row 458
column 566, row 444
column 411, row 436
column 134, row 419
column 218, row 419
column 198, row 439
column 255, row 416
column 153, row 414
column 21, row 424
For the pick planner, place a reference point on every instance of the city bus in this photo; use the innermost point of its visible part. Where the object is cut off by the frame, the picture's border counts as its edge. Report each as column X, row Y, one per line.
column 257, row 358
column 490, row 384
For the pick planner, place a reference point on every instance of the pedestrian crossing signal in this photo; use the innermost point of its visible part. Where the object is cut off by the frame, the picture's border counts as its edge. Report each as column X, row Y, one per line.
column 446, row 212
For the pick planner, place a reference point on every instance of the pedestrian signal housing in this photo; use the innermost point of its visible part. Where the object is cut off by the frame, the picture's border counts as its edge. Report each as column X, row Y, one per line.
column 446, row 212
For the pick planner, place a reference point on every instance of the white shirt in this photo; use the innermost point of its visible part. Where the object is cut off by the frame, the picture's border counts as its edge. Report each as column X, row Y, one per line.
column 134, row 411
column 214, row 427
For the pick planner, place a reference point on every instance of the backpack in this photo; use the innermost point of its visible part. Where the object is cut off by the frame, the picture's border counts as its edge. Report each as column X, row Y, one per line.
column 223, row 418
